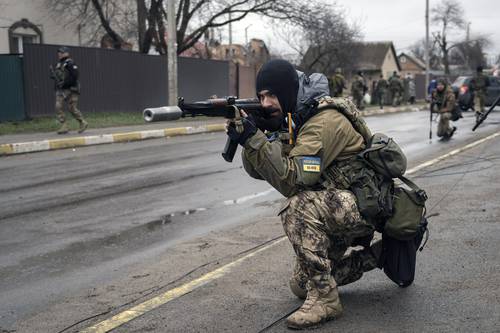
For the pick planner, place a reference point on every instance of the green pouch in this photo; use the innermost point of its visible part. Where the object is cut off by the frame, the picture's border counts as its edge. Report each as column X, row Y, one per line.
column 385, row 156
column 408, row 210
column 365, row 189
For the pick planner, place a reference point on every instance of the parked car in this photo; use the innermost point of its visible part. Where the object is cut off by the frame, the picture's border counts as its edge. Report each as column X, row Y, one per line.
column 465, row 96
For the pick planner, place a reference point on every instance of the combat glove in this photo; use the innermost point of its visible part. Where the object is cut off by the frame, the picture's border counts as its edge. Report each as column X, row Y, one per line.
column 249, row 129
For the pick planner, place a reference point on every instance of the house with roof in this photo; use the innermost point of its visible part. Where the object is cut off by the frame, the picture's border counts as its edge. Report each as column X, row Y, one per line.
column 371, row 58
column 375, row 58
column 411, row 65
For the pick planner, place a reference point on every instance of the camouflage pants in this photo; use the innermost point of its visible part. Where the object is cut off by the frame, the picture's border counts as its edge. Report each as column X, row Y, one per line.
column 479, row 101
column 321, row 225
column 358, row 100
column 396, row 98
column 381, row 98
column 444, row 129
column 72, row 99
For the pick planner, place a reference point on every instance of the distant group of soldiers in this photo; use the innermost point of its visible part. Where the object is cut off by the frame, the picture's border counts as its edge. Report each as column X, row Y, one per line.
column 394, row 91
column 443, row 102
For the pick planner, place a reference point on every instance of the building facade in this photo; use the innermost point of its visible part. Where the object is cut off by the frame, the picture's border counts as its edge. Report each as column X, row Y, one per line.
column 411, row 65
column 25, row 21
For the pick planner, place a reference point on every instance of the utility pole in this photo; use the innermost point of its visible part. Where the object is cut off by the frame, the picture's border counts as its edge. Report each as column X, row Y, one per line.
column 172, row 53
column 427, row 62
column 230, row 30
column 467, row 45
column 246, row 34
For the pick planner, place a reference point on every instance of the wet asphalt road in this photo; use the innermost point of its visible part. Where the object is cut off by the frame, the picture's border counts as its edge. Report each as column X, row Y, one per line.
column 74, row 219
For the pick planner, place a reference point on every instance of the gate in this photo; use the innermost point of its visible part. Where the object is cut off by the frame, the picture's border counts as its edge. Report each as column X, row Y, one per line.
column 11, row 88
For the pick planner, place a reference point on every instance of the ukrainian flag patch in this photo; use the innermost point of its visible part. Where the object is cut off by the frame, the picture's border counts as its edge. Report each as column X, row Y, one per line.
column 311, row 164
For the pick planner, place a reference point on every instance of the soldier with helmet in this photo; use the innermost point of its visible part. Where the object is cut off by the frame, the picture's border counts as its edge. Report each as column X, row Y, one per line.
column 443, row 103
column 66, row 74
column 358, row 89
column 396, row 88
column 337, row 83
column 479, row 85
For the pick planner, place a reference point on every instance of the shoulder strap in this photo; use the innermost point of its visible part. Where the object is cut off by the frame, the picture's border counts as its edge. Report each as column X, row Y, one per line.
column 421, row 193
column 348, row 110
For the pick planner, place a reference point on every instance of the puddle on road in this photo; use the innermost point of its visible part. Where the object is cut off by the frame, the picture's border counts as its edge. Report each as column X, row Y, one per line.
column 167, row 219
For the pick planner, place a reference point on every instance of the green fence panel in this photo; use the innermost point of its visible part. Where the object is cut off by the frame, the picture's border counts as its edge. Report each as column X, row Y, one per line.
column 11, row 88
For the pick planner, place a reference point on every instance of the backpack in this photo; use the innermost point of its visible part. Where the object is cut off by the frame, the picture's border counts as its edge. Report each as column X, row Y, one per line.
column 398, row 209
column 398, row 258
column 385, row 156
column 456, row 113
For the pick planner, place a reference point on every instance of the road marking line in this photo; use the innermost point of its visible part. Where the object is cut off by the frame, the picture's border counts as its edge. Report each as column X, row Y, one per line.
column 452, row 153
column 249, row 197
column 155, row 302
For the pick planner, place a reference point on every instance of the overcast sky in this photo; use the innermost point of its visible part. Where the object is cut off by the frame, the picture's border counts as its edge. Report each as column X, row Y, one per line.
column 402, row 22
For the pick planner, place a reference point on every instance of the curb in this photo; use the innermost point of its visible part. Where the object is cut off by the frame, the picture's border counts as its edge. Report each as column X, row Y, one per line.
column 45, row 145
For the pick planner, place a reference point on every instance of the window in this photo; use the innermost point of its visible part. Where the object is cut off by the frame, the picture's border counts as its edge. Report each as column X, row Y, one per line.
column 402, row 59
column 19, row 40
column 21, row 33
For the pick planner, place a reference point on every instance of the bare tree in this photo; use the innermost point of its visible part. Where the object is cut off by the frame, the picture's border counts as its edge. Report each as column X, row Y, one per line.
column 470, row 54
column 448, row 15
column 322, row 37
column 95, row 18
column 148, row 22
column 195, row 18
column 418, row 51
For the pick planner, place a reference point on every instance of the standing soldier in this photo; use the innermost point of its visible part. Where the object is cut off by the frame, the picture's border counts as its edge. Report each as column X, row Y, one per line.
column 358, row 88
column 337, row 83
column 412, row 90
column 443, row 102
column 406, row 89
column 381, row 89
column 479, row 87
column 396, row 87
column 67, row 88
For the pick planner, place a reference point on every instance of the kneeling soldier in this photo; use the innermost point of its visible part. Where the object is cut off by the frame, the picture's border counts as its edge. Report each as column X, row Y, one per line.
column 320, row 216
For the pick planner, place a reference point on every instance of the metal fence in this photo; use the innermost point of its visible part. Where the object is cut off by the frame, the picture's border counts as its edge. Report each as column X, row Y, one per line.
column 11, row 88
column 119, row 81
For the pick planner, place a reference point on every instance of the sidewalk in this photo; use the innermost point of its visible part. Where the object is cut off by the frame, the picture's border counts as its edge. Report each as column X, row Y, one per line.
column 34, row 142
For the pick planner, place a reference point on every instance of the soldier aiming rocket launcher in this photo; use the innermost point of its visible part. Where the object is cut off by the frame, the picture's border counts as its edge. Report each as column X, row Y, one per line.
column 483, row 116
column 228, row 108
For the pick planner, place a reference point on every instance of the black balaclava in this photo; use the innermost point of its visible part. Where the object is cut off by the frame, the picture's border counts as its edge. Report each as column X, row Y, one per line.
column 281, row 79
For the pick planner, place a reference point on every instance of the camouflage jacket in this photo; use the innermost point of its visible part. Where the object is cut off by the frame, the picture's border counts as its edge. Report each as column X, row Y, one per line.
column 337, row 84
column 480, row 83
column 66, row 74
column 325, row 138
column 395, row 84
column 358, row 85
column 445, row 100
column 382, row 85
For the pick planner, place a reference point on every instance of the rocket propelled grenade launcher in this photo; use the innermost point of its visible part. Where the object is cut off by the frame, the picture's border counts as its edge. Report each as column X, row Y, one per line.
column 228, row 108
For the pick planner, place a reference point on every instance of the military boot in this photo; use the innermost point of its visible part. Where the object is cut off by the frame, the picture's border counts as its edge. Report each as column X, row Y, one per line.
column 83, row 126
column 298, row 282
column 322, row 304
column 63, row 129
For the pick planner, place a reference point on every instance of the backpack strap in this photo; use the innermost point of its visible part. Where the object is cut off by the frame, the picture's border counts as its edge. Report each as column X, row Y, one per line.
column 421, row 193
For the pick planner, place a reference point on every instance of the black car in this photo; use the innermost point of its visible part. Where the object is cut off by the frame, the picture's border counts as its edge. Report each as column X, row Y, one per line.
column 465, row 96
